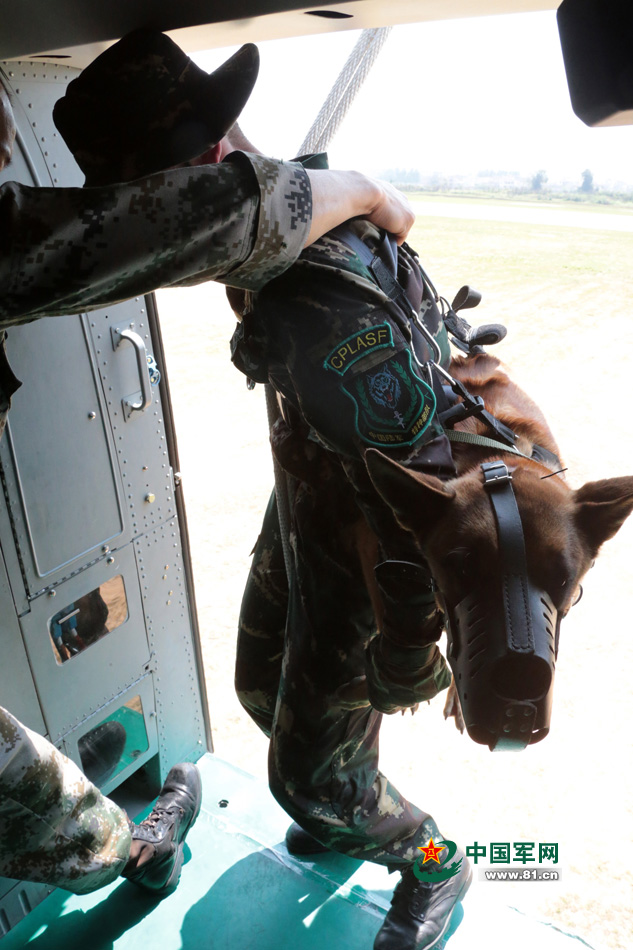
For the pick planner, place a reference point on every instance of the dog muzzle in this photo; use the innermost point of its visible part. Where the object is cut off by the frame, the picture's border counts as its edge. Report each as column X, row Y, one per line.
column 502, row 651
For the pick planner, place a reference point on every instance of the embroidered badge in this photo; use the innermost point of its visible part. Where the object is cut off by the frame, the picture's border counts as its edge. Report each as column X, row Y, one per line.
column 358, row 345
column 393, row 405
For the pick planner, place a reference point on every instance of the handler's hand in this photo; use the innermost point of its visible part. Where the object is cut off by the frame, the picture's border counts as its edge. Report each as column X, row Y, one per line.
column 339, row 196
column 392, row 211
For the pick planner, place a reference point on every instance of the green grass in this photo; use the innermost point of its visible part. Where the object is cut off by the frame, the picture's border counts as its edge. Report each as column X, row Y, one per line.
column 569, row 201
column 499, row 253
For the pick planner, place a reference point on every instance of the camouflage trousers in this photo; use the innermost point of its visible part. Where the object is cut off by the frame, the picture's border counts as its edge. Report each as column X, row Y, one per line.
column 55, row 826
column 300, row 675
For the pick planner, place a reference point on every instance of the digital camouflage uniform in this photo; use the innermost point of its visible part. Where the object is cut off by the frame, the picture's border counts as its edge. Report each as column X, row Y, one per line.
column 55, row 826
column 339, row 350
column 70, row 249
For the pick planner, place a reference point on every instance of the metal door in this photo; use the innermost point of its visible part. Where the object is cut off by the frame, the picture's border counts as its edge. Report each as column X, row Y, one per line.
column 95, row 583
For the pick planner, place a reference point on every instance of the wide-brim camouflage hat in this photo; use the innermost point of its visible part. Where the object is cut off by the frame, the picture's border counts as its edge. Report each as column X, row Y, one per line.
column 143, row 106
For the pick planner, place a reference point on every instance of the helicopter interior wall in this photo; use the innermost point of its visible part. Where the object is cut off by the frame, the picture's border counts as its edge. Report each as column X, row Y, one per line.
column 97, row 617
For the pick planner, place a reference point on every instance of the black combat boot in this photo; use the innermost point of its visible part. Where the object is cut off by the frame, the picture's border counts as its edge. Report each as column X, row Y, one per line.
column 420, row 912
column 301, row 843
column 158, row 841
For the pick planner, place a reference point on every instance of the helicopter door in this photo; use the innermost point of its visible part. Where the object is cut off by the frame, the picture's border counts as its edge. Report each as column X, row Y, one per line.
column 101, row 646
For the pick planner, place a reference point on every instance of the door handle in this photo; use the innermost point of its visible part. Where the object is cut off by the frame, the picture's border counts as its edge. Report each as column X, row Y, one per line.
column 138, row 401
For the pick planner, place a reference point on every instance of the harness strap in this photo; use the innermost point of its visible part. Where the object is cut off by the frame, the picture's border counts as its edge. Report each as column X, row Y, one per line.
column 498, row 485
column 539, row 452
column 383, row 264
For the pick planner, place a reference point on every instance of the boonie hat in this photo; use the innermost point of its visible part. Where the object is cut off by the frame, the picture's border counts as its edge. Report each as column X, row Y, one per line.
column 143, row 105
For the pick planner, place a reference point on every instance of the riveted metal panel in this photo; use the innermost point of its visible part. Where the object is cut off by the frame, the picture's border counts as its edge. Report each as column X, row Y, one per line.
column 57, row 454
column 144, row 690
column 82, row 476
column 77, row 689
column 139, row 438
column 41, row 156
column 17, row 692
column 178, row 682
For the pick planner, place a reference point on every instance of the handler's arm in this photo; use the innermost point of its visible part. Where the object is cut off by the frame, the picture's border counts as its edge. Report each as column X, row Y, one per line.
column 65, row 250
column 339, row 196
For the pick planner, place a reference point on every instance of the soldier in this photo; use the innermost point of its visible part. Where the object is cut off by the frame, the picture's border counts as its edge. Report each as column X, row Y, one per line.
column 65, row 250
column 337, row 342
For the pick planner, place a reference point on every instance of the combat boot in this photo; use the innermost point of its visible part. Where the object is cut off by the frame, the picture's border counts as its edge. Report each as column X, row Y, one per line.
column 157, row 850
column 301, row 843
column 420, row 912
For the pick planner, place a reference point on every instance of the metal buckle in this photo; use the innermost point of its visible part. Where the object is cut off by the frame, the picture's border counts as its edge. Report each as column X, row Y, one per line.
column 495, row 474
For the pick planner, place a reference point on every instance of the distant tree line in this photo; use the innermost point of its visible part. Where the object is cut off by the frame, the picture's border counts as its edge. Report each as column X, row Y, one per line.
column 587, row 187
column 410, row 176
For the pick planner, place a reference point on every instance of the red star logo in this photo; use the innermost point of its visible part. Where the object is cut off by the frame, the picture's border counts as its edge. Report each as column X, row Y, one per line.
column 431, row 851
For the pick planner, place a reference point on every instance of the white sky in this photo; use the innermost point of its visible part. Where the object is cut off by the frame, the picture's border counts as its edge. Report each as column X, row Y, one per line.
column 456, row 96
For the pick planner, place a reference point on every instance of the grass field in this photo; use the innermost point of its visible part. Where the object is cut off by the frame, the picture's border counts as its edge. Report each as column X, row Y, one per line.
column 566, row 296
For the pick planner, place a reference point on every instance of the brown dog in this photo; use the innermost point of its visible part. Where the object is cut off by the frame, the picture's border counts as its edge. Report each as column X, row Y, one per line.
column 454, row 522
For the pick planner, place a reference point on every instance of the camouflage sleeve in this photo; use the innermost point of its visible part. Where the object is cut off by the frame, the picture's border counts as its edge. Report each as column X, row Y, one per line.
column 55, row 826
column 401, row 676
column 65, row 250
column 285, row 213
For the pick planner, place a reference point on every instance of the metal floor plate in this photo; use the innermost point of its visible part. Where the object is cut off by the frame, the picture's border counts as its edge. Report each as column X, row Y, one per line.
column 241, row 890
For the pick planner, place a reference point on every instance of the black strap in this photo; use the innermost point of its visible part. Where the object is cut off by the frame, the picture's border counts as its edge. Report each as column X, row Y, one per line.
column 512, row 556
column 383, row 264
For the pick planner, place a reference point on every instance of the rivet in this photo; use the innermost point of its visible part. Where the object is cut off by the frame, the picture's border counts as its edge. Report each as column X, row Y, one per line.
column 52, row 593
column 105, row 549
column 150, row 498
column 92, row 415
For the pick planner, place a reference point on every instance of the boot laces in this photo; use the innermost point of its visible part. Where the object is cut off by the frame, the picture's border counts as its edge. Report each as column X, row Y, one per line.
column 410, row 892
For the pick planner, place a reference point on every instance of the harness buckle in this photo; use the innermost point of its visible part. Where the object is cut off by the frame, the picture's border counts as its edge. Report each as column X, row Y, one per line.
column 496, row 474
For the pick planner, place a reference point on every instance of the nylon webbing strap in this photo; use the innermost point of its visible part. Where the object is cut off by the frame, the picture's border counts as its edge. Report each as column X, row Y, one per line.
column 473, row 438
column 539, row 453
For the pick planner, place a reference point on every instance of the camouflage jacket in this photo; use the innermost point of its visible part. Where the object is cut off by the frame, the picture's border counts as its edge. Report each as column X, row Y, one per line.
column 344, row 354
column 66, row 250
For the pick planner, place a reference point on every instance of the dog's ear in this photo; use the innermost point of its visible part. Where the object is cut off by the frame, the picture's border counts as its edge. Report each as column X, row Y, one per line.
column 418, row 501
column 602, row 508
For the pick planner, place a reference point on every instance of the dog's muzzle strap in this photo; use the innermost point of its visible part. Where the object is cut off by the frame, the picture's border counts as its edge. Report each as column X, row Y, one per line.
column 516, row 592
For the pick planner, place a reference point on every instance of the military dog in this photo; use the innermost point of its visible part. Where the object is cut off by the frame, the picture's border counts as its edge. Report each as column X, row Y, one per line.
column 454, row 522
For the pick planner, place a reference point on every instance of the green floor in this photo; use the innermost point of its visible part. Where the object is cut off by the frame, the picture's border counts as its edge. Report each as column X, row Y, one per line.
column 241, row 890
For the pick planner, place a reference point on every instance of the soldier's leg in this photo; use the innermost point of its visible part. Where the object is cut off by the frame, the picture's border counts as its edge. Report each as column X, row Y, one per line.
column 324, row 744
column 262, row 623
column 55, row 826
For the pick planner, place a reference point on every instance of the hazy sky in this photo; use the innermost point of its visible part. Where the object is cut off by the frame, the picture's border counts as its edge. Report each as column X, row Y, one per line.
column 456, row 96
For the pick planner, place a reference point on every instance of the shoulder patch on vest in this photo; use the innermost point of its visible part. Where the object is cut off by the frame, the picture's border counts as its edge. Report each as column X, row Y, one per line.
column 359, row 344
column 393, row 405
